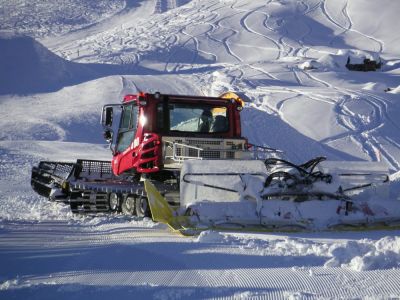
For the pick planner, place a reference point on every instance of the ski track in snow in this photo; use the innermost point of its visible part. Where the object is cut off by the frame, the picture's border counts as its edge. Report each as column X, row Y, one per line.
column 243, row 22
column 349, row 27
column 364, row 133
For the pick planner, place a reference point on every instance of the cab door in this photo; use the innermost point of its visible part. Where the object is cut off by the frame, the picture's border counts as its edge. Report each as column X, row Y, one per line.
column 126, row 134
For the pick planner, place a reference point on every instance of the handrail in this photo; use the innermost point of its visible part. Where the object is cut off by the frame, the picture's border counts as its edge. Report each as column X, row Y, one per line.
column 180, row 158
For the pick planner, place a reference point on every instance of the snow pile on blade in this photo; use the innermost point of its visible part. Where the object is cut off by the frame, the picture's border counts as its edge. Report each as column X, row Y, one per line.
column 278, row 195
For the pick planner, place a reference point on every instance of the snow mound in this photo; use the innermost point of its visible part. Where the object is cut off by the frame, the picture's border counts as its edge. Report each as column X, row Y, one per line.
column 26, row 66
column 344, row 56
column 310, row 65
column 210, row 236
column 375, row 86
column 358, row 56
column 396, row 90
column 299, row 295
column 8, row 284
column 285, row 247
column 395, row 176
column 365, row 255
column 356, row 255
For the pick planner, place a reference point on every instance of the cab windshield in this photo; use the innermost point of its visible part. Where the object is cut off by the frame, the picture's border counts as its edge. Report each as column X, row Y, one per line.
column 197, row 118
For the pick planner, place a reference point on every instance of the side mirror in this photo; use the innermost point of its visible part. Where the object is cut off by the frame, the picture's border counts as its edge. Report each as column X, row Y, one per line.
column 108, row 135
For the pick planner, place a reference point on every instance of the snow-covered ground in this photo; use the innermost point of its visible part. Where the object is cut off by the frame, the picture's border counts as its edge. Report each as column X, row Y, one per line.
column 288, row 57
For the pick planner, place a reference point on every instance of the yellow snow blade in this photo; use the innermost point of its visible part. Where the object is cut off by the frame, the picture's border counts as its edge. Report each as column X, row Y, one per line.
column 159, row 207
column 163, row 213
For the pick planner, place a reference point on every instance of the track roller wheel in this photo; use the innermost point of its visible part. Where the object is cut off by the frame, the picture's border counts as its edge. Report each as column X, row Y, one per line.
column 142, row 207
column 114, row 201
column 128, row 205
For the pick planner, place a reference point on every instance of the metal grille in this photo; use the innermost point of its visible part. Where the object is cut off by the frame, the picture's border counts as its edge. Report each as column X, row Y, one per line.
column 192, row 152
column 95, row 166
column 179, row 149
column 207, row 154
column 230, row 155
column 234, row 146
column 203, row 142
column 59, row 169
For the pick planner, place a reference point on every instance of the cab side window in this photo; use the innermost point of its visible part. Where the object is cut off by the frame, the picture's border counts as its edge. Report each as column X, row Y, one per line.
column 128, row 126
